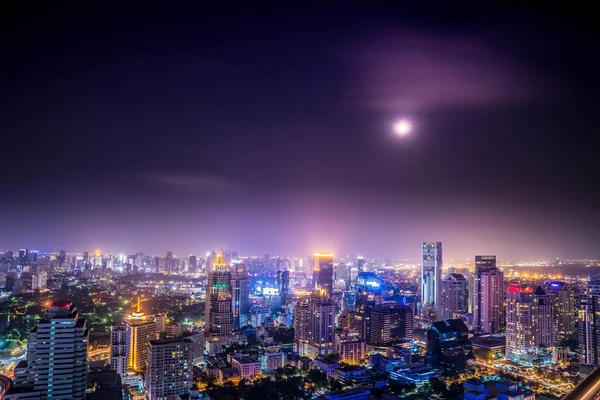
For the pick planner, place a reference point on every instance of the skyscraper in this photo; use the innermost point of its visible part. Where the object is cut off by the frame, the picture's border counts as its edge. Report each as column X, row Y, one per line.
column 240, row 284
column 323, row 272
column 193, row 265
column 321, row 324
column 169, row 263
column 488, row 296
column 301, row 318
column 141, row 329
column 588, row 316
column 431, row 279
column 314, row 325
column 283, row 283
column 390, row 323
column 219, row 320
column 56, row 365
column 562, row 297
column 528, row 322
column 169, row 371
column 118, row 349
column 454, row 295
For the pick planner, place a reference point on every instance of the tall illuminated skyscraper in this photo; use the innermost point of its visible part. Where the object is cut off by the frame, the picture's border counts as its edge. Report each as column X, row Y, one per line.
column 528, row 322
column 56, row 365
column 301, row 318
column 240, row 284
column 588, row 315
column 488, row 296
column 323, row 272
column 141, row 329
column 562, row 297
column 321, row 324
column 219, row 297
column 431, row 279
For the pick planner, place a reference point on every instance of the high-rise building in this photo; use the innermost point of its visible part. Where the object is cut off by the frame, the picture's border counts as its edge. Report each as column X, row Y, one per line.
column 193, row 264
column 448, row 345
column 488, row 296
column 431, row 279
column 529, row 320
column 219, row 297
column 283, row 283
column 314, row 325
column 169, row 263
column 348, row 301
column 240, row 284
column 588, row 318
column 361, row 264
column 301, row 318
column 119, row 356
column 361, row 320
column 454, row 295
column 56, row 365
column 562, row 297
column 323, row 272
column 349, row 346
column 169, row 371
column 390, row 323
column 141, row 329
column 321, row 324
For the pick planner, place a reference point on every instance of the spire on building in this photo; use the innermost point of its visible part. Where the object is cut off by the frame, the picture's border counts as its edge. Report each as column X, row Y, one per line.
column 219, row 263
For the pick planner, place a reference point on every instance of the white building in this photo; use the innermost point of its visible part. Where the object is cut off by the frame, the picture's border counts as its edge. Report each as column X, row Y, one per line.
column 431, row 280
column 119, row 352
column 529, row 322
column 248, row 367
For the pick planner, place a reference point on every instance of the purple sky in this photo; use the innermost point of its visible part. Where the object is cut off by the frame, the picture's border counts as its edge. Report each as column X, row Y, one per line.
column 269, row 131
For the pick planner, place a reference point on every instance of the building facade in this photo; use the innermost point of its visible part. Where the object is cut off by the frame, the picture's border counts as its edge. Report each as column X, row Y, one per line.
column 141, row 329
column 588, row 322
column 529, row 322
column 349, row 346
column 431, row 280
column 323, row 272
column 454, row 295
column 169, row 371
column 119, row 352
column 240, row 284
column 488, row 296
column 56, row 365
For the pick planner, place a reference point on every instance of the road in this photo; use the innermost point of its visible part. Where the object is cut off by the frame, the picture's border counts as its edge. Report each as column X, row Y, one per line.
column 535, row 379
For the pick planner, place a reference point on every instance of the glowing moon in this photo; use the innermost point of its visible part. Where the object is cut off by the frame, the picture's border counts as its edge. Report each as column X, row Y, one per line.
column 402, row 127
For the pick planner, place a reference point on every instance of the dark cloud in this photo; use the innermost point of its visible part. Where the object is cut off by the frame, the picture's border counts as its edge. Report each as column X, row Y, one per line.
column 412, row 70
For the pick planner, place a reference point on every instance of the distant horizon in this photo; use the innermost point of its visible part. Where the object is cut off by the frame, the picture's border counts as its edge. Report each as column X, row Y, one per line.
column 203, row 254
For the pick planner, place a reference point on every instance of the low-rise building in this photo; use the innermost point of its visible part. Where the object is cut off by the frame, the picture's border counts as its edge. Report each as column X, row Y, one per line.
column 271, row 361
column 325, row 365
column 248, row 367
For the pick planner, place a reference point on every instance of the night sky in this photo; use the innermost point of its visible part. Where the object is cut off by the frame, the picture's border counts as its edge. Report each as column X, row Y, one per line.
column 270, row 130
